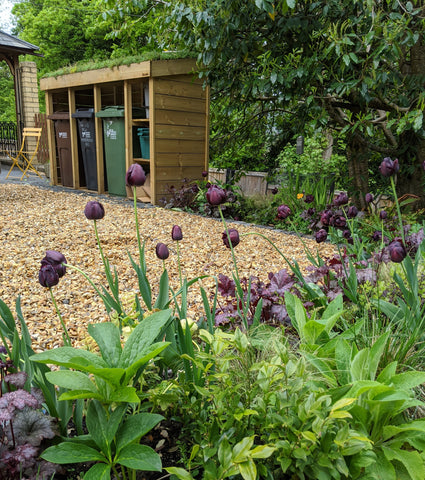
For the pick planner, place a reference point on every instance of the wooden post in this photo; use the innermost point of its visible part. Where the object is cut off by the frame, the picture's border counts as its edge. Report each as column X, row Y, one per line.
column 51, row 140
column 74, row 139
column 99, row 140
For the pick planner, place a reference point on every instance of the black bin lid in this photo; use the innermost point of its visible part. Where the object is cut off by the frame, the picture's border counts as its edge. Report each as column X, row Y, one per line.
column 83, row 113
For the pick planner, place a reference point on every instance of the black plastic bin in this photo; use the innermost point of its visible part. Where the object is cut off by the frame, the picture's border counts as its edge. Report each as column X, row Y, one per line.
column 87, row 137
column 63, row 145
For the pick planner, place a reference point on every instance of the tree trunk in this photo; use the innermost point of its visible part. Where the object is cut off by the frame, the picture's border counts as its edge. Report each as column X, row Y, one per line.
column 358, row 162
column 411, row 177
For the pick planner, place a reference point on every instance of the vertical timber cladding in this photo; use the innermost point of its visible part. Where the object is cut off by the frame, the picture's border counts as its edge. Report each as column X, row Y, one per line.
column 180, row 129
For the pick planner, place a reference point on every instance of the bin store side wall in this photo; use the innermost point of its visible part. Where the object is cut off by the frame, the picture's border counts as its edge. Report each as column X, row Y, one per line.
column 179, row 133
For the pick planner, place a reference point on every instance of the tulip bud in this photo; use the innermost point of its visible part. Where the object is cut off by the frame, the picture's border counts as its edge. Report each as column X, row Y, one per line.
column 48, row 276
column 234, row 237
column 205, row 174
column 383, row 214
column 368, row 198
column 215, row 195
column 341, row 199
column 326, row 217
column 135, row 176
column 309, row 198
column 94, row 210
column 376, row 236
column 283, row 211
column 352, row 211
column 161, row 251
column 56, row 260
column 321, row 235
column 176, row 233
column 340, row 221
column 397, row 251
column 389, row 167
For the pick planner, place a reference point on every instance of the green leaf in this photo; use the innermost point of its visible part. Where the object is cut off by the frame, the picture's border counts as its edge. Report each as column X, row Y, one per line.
column 69, row 357
column 411, row 460
column 241, row 450
column 180, row 473
column 224, row 454
column 124, row 395
column 107, row 336
column 99, row 471
column 139, row 457
column 97, row 425
column 408, row 380
column 262, row 451
column 360, row 365
column 71, row 380
column 376, row 352
column 248, row 470
column 163, row 294
column 343, row 360
column 135, row 427
column 150, row 352
column 142, row 337
column 69, row 452
column 76, row 394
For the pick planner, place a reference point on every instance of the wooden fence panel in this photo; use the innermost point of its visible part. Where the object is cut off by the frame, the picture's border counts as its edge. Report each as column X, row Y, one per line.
column 40, row 121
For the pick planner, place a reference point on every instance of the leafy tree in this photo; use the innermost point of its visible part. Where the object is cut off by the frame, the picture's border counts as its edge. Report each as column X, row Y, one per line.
column 356, row 67
column 7, row 96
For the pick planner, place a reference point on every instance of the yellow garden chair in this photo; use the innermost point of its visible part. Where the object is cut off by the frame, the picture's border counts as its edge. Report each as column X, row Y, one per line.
column 24, row 158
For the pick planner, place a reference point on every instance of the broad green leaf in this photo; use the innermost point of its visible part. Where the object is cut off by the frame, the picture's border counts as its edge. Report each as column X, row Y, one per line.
column 296, row 312
column 113, row 376
column 107, row 336
column 70, row 452
column 248, row 469
column 99, row 471
column 312, row 331
column 143, row 336
column 150, row 352
column 71, row 380
column 382, row 469
column 139, row 457
column 224, row 454
column 76, row 394
column 241, row 450
column 69, row 357
column 180, row 473
column 376, row 352
column 262, row 451
column 163, row 294
column 124, row 395
column 360, row 365
column 411, row 460
column 387, row 373
column 97, row 425
column 135, row 427
column 343, row 360
column 322, row 367
column 408, row 380
column 393, row 430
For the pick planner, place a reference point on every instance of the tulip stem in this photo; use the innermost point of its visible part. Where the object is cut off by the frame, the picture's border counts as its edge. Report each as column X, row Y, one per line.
column 179, row 265
column 230, row 242
column 136, row 218
column 65, row 336
column 398, row 209
column 99, row 245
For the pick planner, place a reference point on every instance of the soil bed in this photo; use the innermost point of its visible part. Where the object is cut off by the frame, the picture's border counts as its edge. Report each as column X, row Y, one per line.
column 37, row 219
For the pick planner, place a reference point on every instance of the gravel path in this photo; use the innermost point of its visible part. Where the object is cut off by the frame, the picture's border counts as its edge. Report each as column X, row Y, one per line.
column 36, row 217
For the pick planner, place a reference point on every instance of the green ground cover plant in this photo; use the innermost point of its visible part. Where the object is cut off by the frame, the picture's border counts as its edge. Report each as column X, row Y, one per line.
column 313, row 375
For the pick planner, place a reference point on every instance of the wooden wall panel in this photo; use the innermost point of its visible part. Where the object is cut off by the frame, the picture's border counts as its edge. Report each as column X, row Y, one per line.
column 167, row 102
column 179, row 88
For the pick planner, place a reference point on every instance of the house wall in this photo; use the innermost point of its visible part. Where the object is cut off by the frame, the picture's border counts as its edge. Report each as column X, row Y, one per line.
column 29, row 94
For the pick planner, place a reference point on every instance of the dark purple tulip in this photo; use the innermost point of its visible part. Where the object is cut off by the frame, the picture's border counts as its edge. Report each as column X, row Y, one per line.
column 397, row 251
column 56, row 260
column 205, row 174
column 48, row 276
column 135, row 176
column 326, row 217
column 283, row 211
column 383, row 214
column 215, row 195
column 94, row 210
column 368, row 198
column 176, row 233
column 309, row 198
column 321, row 235
column 389, row 167
column 161, row 251
column 377, row 235
column 234, row 237
column 340, row 221
column 352, row 212
column 274, row 190
column 3, row 350
column 346, row 234
column 341, row 199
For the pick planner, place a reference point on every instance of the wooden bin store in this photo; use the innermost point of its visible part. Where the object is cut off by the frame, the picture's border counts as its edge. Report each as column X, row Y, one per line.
column 172, row 126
